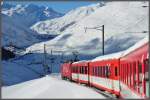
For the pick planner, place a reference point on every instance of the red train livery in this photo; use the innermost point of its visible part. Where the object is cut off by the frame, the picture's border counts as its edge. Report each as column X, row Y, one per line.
column 124, row 74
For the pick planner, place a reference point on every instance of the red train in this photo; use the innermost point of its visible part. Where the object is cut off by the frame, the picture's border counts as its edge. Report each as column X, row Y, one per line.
column 124, row 74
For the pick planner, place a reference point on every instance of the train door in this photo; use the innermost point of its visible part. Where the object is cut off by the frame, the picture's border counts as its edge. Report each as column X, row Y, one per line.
column 112, row 76
column 78, row 68
column 88, row 73
column 115, row 81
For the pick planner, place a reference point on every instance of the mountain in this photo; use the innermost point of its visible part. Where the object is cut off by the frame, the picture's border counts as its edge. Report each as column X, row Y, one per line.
column 124, row 23
column 17, row 20
column 29, row 14
column 58, row 25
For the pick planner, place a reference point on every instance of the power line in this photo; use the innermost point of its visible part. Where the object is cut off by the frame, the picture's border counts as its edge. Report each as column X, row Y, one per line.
column 101, row 28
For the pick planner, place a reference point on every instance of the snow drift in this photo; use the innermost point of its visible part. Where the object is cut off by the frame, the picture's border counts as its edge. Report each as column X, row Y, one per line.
column 49, row 87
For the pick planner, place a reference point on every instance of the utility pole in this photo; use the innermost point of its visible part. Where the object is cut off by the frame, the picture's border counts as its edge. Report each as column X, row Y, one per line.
column 103, row 37
column 45, row 65
column 44, row 62
column 75, row 54
column 52, row 61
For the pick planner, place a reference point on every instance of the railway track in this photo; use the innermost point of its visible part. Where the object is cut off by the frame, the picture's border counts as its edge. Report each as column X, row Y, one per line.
column 105, row 93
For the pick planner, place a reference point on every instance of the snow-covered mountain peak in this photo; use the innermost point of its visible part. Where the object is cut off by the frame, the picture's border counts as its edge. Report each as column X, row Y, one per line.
column 58, row 25
column 17, row 20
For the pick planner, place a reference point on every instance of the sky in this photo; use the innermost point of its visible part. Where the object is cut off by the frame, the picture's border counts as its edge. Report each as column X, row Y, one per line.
column 59, row 6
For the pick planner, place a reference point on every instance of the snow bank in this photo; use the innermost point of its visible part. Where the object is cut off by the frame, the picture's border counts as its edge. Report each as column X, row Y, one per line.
column 13, row 73
column 81, row 61
column 48, row 88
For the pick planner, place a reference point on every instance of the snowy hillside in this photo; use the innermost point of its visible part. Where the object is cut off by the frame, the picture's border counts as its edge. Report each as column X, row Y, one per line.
column 49, row 87
column 14, row 73
column 16, row 22
column 124, row 23
column 58, row 25
column 13, row 31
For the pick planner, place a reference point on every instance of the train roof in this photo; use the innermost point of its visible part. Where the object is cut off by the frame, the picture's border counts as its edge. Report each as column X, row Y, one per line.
column 109, row 56
column 80, row 61
column 122, row 53
column 136, row 46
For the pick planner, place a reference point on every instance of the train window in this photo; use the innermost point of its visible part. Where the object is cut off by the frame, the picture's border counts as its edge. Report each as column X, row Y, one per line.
column 129, row 77
column 72, row 69
column 77, row 70
column 97, row 71
column 116, row 72
column 93, row 71
column 102, row 71
column 146, row 87
column 127, row 74
column 146, row 63
column 140, row 77
column 140, row 71
column 107, row 71
column 85, row 70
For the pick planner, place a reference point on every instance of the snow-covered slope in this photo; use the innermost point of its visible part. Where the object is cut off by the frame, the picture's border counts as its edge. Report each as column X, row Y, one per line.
column 49, row 87
column 124, row 23
column 58, row 25
column 13, row 31
column 16, row 22
column 13, row 73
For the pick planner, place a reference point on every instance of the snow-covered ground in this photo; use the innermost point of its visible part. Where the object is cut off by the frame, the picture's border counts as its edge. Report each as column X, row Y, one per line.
column 124, row 23
column 49, row 87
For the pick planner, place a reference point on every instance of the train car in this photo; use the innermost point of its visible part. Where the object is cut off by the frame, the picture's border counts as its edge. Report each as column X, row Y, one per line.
column 66, row 71
column 80, row 72
column 104, row 73
column 134, row 71
column 124, row 74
